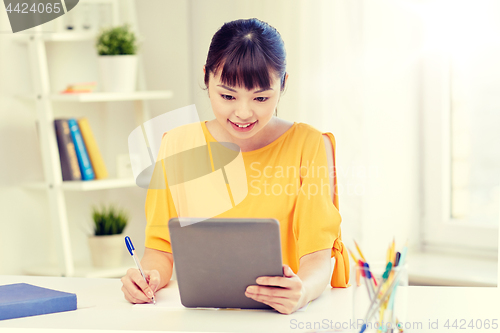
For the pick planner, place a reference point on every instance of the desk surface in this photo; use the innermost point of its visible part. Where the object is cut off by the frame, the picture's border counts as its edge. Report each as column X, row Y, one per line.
column 101, row 306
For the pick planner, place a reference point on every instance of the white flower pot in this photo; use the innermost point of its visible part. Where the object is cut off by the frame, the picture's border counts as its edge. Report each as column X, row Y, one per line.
column 107, row 251
column 118, row 73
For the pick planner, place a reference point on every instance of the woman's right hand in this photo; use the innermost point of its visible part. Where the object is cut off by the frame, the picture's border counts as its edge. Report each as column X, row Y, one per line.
column 136, row 290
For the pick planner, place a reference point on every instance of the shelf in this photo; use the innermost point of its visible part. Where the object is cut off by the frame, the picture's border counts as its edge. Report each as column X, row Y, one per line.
column 34, row 40
column 89, row 185
column 80, row 271
column 70, row 36
column 67, row 36
column 108, row 96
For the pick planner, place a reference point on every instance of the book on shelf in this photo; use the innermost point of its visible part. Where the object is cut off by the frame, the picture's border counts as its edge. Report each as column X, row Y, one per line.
column 23, row 300
column 78, row 150
column 81, row 151
column 67, row 153
column 93, row 150
column 76, row 88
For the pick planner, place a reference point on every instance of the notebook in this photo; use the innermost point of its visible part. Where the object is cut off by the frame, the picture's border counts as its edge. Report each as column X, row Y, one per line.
column 23, row 300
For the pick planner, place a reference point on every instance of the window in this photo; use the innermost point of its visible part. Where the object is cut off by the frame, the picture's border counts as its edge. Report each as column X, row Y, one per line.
column 460, row 128
column 475, row 140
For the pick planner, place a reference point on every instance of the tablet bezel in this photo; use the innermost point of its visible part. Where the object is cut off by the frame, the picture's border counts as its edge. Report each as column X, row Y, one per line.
column 247, row 248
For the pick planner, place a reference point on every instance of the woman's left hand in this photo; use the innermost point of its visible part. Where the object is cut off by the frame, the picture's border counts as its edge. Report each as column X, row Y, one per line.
column 287, row 299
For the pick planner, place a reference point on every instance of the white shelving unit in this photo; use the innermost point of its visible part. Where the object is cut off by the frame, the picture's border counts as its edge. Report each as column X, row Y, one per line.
column 43, row 98
column 106, row 96
column 99, row 184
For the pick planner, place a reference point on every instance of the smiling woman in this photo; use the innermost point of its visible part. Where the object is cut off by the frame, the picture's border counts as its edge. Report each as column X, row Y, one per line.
column 246, row 66
column 245, row 73
column 245, row 76
column 242, row 113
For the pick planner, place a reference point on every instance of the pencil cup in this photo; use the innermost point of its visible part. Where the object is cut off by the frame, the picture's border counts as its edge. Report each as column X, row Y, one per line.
column 387, row 312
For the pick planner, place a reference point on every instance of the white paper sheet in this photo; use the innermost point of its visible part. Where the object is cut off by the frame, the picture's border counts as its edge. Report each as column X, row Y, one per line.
column 169, row 298
column 166, row 298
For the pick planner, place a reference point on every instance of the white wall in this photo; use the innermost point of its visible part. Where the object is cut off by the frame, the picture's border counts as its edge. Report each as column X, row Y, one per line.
column 166, row 49
column 391, row 87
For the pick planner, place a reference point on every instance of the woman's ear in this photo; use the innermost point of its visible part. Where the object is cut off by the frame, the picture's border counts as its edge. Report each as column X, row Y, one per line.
column 284, row 79
column 204, row 71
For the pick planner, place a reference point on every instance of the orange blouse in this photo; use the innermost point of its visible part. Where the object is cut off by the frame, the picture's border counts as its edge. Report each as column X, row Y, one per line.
column 287, row 180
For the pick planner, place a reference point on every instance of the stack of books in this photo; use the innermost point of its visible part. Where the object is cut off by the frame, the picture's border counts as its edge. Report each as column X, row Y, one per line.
column 78, row 151
column 76, row 88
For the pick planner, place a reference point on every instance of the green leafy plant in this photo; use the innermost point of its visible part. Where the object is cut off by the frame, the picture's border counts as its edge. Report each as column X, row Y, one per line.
column 108, row 221
column 116, row 41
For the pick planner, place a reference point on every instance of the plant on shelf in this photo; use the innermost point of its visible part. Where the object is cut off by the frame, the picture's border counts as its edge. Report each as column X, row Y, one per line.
column 117, row 50
column 116, row 41
column 106, row 244
column 108, row 221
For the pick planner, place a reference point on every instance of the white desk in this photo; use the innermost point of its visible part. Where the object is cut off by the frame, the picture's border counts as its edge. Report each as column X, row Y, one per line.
column 101, row 306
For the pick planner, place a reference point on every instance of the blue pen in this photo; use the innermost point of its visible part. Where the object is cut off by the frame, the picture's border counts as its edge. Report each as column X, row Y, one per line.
column 131, row 249
column 369, row 276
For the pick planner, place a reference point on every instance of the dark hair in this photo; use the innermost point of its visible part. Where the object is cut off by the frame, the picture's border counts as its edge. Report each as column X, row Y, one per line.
column 248, row 51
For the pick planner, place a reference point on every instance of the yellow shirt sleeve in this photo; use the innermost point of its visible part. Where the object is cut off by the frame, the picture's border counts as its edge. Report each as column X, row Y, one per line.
column 316, row 218
column 159, row 208
column 341, row 271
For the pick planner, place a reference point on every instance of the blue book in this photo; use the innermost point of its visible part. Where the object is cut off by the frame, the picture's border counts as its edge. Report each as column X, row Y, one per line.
column 81, row 151
column 23, row 300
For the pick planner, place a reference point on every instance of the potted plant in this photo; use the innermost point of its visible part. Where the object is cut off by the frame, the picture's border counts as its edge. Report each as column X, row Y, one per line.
column 117, row 49
column 106, row 244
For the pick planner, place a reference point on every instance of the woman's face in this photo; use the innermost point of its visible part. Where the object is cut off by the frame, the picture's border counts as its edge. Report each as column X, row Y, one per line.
column 241, row 112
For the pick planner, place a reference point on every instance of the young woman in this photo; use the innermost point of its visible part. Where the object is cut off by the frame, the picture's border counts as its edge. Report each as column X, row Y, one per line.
column 287, row 174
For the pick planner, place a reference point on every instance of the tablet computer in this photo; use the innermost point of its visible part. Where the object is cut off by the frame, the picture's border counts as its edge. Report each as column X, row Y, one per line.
column 218, row 258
